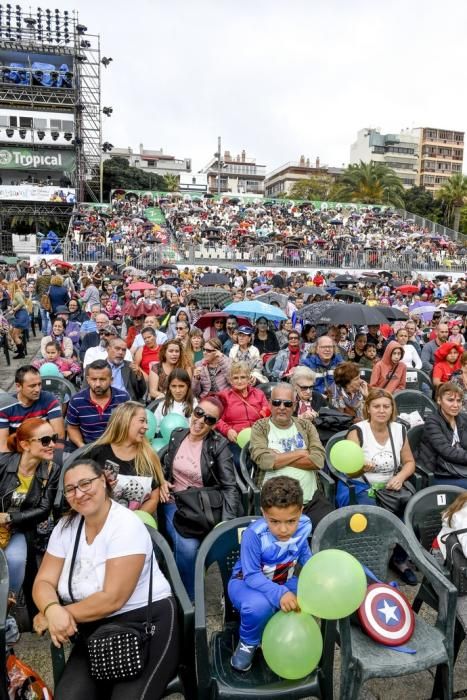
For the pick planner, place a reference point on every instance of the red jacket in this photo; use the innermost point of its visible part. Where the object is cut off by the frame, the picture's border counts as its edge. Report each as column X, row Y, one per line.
column 443, row 369
column 241, row 412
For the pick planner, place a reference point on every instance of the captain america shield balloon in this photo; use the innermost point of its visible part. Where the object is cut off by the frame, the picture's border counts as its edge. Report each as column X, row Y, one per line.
column 386, row 615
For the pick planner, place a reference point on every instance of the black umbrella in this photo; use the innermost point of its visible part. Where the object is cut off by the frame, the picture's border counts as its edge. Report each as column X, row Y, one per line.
column 166, row 266
column 312, row 312
column 460, row 307
column 212, row 278
column 109, row 263
column 211, row 297
column 343, row 280
column 353, row 314
column 348, row 294
column 269, row 297
column 391, row 313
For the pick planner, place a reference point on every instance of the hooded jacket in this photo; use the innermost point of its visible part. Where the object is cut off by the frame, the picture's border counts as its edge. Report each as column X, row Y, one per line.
column 385, row 374
column 442, row 370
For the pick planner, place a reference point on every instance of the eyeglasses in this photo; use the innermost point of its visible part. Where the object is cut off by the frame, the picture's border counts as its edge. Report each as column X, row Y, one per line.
column 180, row 328
column 85, row 485
column 326, row 347
column 208, row 350
column 309, row 387
column 46, row 439
column 280, row 402
column 293, row 337
column 200, row 413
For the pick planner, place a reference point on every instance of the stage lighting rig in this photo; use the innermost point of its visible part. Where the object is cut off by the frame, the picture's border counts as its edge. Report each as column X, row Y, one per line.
column 107, row 147
column 107, row 111
column 106, row 61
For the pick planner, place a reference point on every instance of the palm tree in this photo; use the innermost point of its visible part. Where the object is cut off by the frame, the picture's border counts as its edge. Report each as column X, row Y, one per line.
column 370, row 183
column 172, row 182
column 453, row 193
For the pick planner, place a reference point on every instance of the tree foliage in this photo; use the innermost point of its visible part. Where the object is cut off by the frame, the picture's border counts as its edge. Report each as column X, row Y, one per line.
column 118, row 173
column 172, row 183
column 312, row 188
column 453, row 195
column 371, row 183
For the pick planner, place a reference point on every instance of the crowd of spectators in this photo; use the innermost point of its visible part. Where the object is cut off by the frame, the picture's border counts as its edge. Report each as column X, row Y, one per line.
column 129, row 340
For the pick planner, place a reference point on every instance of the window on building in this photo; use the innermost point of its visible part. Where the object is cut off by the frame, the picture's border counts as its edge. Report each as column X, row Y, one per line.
column 13, row 121
column 4, row 121
column 40, row 123
column 56, row 124
column 25, row 122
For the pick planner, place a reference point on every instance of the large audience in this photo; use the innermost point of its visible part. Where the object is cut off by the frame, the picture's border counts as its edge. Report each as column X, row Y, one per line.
column 162, row 386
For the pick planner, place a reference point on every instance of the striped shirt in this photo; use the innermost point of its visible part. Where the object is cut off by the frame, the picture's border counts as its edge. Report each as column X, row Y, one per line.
column 13, row 413
column 90, row 418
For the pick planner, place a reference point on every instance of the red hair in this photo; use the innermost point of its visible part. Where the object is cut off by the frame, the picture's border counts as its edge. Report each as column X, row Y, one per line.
column 25, row 431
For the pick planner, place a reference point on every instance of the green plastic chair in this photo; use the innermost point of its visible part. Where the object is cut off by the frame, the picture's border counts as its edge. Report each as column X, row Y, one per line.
column 185, row 680
column 409, row 400
column 253, row 478
column 423, row 517
column 415, row 437
column 361, row 658
column 4, row 588
column 60, row 387
column 216, row 677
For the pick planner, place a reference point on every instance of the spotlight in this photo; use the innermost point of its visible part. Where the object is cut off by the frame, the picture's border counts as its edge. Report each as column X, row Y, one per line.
column 54, row 135
column 81, row 29
column 22, row 133
column 106, row 146
column 77, row 142
column 85, row 44
column 80, row 107
column 68, row 136
column 10, row 132
column 80, row 58
column 107, row 111
column 106, row 61
column 40, row 135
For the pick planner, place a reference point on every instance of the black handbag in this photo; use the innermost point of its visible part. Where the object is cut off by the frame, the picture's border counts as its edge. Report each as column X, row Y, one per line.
column 199, row 510
column 456, row 562
column 117, row 650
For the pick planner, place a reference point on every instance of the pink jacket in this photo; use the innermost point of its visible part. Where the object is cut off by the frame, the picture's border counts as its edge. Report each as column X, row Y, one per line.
column 241, row 412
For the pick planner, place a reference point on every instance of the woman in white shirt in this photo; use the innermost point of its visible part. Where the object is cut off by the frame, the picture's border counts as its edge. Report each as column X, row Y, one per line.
column 411, row 358
column 455, row 518
column 109, row 583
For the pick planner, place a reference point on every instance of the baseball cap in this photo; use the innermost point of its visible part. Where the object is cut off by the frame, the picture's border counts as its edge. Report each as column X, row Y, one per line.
column 109, row 330
column 246, row 330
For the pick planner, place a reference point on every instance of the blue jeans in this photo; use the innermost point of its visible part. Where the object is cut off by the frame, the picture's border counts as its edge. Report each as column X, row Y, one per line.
column 255, row 610
column 16, row 553
column 185, row 550
column 451, row 481
column 44, row 320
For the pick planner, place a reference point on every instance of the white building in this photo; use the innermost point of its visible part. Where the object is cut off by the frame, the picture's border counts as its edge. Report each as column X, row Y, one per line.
column 151, row 161
column 398, row 151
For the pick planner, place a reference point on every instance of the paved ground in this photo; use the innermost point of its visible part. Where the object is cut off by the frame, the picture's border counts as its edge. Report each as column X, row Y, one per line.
column 416, row 687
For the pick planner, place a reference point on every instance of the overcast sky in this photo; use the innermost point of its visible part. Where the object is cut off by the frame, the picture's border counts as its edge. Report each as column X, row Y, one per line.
column 279, row 78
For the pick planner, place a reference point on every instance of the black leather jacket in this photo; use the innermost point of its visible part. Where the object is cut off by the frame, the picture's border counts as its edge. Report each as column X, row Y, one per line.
column 436, row 451
column 39, row 500
column 215, row 457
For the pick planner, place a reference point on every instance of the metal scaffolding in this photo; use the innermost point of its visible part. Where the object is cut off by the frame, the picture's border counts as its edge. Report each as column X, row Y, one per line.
column 58, row 33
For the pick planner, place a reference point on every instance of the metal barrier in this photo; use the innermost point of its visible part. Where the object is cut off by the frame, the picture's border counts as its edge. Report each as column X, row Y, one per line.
column 142, row 257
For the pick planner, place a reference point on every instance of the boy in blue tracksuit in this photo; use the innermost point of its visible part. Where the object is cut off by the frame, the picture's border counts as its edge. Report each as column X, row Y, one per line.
column 263, row 579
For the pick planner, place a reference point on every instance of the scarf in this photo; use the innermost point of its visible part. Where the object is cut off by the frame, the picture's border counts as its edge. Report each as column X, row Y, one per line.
column 294, row 359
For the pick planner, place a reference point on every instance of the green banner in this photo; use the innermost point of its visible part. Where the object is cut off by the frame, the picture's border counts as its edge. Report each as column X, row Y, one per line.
column 154, row 215
column 19, row 158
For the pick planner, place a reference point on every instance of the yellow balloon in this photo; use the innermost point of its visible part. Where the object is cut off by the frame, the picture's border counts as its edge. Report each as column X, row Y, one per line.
column 358, row 523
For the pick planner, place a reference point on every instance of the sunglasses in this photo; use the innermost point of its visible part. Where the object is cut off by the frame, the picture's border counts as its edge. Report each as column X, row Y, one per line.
column 47, row 439
column 180, row 328
column 309, row 387
column 200, row 413
column 280, row 402
column 208, row 350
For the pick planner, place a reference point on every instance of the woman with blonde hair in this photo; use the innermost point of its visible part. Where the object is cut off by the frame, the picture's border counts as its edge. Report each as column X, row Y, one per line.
column 124, row 443
column 20, row 323
column 58, row 293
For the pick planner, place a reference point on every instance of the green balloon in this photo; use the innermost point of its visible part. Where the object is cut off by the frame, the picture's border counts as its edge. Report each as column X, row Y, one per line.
column 158, row 443
column 146, row 518
column 331, row 585
column 292, row 644
column 243, row 437
column 152, row 424
column 170, row 422
column 347, row 457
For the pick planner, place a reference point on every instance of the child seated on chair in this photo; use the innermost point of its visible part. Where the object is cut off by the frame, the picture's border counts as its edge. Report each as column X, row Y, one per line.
column 263, row 579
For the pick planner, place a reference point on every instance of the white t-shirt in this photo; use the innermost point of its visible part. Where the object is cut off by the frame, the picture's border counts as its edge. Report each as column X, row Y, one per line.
column 175, row 407
column 288, row 440
column 381, row 456
column 100, row 353
column 123, row 534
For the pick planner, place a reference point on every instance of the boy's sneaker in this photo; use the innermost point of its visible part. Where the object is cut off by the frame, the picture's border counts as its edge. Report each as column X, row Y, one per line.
column 243, row 656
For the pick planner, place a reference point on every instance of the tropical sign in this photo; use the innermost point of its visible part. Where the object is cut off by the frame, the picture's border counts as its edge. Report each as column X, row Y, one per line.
column 17, row 158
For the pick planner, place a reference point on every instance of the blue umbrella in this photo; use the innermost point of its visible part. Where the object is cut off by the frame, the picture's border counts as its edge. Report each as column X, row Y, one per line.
column 255, row 310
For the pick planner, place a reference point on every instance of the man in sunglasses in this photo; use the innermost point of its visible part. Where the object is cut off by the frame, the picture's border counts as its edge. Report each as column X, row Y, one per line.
column 99, row 352
column 30, row 401
column 284, row 445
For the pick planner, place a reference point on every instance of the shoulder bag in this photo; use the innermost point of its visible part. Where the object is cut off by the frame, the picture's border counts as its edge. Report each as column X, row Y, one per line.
column 456, row 562
column 117, row 650
column 45, row 301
